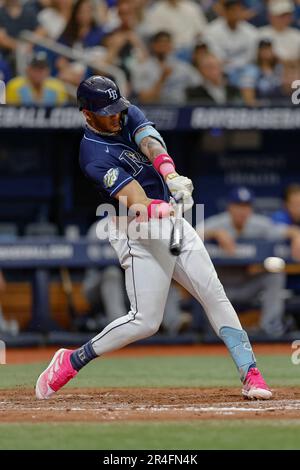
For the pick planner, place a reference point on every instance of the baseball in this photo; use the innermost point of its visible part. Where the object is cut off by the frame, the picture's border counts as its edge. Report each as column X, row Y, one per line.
column 274, row 264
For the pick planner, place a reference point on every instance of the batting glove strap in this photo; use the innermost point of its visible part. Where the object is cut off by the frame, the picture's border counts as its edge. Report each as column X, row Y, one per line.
column 159, row 209
column 164, row 164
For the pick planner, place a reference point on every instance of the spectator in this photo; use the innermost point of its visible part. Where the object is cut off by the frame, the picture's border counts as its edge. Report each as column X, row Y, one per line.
column 201, row 48
column 53, row 19
column 5, row 70
column 183, row 19
column 82, row 30
column 162, row 78
column 37, row 87
column 232, row 40
column 286, row 40
column 297, row 14
column 263, row 79
column 240, row 222
column 83, row 33
column 289, row 75
column 254, row 11
column 214, row 88
column 290, row 213
column 39, row 5
column 111, row 3
column 15, row 18
column 124, row 46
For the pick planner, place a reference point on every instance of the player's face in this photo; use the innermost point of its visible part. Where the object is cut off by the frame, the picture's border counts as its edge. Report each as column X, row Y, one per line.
column 104, row 123
column 240, row 213
column 293, row 206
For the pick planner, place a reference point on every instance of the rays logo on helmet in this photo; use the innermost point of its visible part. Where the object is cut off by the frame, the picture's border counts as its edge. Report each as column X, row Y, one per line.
column 110, row 177
column 112, row 94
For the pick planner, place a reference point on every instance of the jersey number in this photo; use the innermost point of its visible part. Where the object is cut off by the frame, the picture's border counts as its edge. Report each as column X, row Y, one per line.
column 136, row 168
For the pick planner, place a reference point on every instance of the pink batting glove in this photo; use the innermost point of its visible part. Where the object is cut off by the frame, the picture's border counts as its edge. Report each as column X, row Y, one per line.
column 159, row 209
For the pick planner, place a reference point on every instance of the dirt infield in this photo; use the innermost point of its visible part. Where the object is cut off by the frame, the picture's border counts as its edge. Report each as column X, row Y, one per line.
column 141, row 404
column 156, row 404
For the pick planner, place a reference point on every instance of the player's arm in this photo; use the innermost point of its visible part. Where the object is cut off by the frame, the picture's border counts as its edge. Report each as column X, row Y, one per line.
column 292, row 233
column 223, row 238
column 140, row 206
column 134, row 194
column 152, row 145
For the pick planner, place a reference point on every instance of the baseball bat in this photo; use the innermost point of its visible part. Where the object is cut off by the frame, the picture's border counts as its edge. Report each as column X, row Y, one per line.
column 177, row 230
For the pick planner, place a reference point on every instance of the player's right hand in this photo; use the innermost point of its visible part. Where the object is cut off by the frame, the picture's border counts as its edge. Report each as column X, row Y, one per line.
column 158, row 209
column 186, row 198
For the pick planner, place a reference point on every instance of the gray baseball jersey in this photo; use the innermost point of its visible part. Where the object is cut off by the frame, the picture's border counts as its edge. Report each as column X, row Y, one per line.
column 257, row 226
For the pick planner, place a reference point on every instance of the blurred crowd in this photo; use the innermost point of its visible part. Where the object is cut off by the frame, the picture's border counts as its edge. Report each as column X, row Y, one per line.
column 160, row 51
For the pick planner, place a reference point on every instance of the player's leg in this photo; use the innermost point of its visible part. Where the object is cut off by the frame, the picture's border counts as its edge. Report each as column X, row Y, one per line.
column 195, row 271
column 175, row 321
column 113, row 282
column 148, row 272
column 147, row 284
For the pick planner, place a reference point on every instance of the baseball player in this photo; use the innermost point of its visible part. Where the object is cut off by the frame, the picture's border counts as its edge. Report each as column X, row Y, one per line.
column 126, row 158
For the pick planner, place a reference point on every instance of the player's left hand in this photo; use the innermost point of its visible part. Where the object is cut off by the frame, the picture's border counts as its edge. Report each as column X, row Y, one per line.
column 177, row 183
column 181, row 187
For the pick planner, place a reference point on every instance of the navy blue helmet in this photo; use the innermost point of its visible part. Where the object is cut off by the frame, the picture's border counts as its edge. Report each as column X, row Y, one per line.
column 101, row 96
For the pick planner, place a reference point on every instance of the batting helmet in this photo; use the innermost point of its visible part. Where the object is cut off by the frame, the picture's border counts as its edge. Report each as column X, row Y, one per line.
column 101, row 96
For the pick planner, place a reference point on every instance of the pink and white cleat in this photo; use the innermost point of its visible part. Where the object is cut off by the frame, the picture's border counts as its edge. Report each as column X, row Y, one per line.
column 57, row 374
column 255, row 387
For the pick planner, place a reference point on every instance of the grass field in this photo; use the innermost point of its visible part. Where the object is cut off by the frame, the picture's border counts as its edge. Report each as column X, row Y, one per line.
column 191, row 371
column 217, row 434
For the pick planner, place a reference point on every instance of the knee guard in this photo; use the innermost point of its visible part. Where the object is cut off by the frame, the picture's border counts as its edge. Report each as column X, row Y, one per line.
column 237, row 342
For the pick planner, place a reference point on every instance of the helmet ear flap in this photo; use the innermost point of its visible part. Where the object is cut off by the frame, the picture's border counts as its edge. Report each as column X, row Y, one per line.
column 82, row 103
column 124, row 117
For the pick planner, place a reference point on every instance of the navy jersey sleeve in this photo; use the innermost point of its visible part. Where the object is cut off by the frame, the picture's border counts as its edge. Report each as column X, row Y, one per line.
column 136, row 120
column 105, row 172
column 108, row 178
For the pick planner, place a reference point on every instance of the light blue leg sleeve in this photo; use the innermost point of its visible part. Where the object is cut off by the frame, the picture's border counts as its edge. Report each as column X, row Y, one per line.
column 239, row 346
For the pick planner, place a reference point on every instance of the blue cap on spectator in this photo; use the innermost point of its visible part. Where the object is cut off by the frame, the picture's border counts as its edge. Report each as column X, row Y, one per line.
column 39, row 60
column 241, row 195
